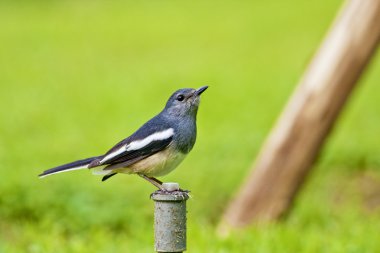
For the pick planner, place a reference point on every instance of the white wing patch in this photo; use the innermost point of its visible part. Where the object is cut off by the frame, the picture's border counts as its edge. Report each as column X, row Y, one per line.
column 139, row 144
column 113, row 154
column 136, row 145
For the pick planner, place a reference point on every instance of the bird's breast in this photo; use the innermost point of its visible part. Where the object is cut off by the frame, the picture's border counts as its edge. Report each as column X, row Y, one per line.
column 185, row 135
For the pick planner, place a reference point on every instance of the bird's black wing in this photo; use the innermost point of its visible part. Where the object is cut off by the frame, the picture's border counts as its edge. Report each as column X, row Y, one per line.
column 130, row 157
column 152, row 137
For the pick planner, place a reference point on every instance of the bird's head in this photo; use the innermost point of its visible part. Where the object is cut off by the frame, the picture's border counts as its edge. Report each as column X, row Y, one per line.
column 184, row 102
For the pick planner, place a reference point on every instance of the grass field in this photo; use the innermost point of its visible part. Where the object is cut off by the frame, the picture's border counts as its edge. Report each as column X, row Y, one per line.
column 78, row 76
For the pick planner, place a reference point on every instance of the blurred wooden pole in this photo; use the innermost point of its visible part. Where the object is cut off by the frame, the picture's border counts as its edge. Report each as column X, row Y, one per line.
column 293, row 145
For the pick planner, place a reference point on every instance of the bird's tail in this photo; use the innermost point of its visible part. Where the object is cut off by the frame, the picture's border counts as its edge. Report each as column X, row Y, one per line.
column 80, row 164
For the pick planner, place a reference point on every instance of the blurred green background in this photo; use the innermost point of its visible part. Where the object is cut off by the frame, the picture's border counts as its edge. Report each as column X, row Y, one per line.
column 78, row 76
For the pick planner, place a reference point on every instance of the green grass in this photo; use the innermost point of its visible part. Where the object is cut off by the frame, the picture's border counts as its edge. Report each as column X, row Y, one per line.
column 78, row 76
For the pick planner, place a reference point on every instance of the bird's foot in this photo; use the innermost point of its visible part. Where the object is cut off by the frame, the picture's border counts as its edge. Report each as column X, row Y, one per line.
column 179, row 192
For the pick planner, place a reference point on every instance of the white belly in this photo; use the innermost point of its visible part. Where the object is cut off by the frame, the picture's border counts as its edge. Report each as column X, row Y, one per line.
column 156, row 165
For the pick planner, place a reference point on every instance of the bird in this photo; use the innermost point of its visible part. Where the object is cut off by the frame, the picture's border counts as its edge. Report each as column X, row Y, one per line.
column 155, row 149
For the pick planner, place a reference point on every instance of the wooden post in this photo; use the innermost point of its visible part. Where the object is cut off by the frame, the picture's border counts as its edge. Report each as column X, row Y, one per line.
column 293, row 145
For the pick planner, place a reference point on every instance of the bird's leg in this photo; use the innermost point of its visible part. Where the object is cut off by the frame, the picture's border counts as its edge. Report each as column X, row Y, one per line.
column 156, row 180
column 153, row 181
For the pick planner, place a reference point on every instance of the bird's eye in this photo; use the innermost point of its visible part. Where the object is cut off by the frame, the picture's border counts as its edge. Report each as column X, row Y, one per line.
column 180, row 97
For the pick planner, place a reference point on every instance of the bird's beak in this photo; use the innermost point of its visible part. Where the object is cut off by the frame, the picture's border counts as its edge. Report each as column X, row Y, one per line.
column 201, row 90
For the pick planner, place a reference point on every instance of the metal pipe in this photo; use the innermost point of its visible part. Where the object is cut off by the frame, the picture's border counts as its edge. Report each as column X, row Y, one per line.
column 170, row 219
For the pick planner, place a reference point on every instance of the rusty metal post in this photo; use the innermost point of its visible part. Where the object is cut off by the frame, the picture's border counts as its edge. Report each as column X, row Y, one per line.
column 170, row 219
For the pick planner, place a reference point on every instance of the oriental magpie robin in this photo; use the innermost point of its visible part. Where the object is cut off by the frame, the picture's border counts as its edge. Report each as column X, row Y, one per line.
column 155, row 149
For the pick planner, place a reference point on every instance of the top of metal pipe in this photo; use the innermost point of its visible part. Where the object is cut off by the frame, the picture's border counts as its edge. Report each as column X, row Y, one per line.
column 174, row 196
